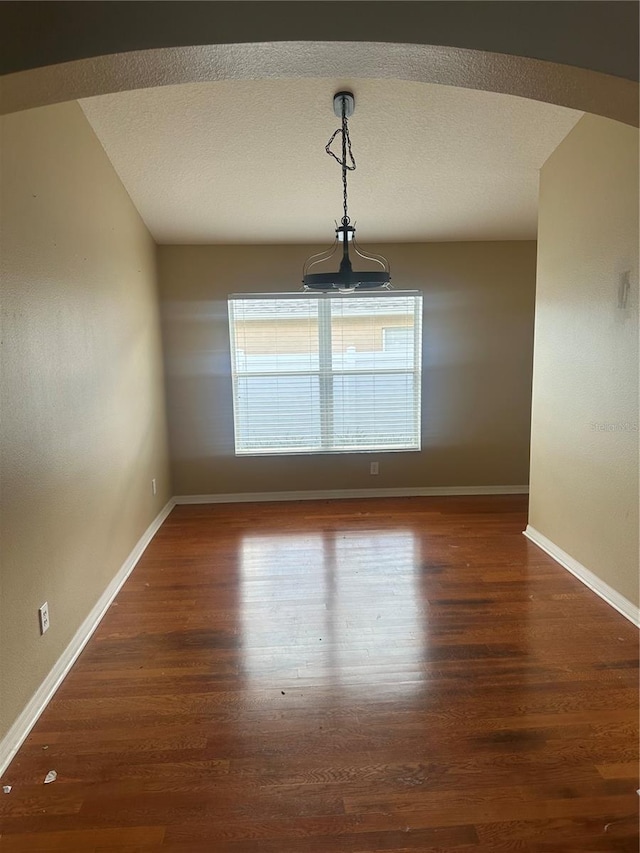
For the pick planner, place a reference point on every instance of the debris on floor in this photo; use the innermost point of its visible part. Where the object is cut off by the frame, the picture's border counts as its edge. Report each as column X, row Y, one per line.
column 50, row 777
column 7, row 789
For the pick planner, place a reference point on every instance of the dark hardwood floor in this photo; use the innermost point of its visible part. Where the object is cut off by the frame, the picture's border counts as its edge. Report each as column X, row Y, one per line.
column 340, row 677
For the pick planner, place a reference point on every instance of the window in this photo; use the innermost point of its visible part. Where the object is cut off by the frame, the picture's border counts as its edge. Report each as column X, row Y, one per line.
column 325, row 373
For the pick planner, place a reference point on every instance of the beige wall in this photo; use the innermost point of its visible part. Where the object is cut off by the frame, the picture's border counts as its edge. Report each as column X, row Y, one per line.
column 83, row 424
column 584, row 454
column 478, row 326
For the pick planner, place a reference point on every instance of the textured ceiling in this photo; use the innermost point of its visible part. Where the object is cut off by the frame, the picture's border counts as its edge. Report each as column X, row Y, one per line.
column 244, row 161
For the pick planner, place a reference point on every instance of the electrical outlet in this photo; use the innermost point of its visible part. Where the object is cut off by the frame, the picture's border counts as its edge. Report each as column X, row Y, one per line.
column 374, row 469
column 154, row 486
column 43, row 613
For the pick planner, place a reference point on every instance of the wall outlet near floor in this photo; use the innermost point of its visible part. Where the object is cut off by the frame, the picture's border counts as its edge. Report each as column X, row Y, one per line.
column 154, row 486
column 375, row 468
column 43, row 614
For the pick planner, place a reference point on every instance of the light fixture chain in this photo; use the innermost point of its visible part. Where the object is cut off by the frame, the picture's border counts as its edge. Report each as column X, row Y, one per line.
column 347, row 163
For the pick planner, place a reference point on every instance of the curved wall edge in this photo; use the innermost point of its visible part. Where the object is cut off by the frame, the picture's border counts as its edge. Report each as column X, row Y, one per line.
column 590, row 91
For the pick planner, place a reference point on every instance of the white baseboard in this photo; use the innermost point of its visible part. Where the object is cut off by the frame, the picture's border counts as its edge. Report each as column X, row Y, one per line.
column 606, row 592
column 14, row 738
column 335, row 494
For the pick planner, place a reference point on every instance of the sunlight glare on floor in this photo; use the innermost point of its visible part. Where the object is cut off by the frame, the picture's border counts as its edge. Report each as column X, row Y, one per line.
column 321, row 607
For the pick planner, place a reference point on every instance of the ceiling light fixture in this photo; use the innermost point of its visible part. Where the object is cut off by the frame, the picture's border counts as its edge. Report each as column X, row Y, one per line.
column 346, row 279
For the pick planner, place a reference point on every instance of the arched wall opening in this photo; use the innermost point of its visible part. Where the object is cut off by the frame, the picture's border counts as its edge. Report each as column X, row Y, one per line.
column 63, row 428
column 565, row 85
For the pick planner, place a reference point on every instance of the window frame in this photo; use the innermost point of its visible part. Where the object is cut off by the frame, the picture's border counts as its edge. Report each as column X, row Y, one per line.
column 326, row 372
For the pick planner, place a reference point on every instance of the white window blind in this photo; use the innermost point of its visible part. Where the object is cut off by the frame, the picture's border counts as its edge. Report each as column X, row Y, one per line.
column 315, row 373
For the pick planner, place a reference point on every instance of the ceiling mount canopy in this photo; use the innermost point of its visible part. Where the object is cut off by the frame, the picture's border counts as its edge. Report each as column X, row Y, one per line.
column 346, row 279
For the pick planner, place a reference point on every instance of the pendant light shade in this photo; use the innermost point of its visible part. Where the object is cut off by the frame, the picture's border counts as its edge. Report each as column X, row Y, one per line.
column 345, row 279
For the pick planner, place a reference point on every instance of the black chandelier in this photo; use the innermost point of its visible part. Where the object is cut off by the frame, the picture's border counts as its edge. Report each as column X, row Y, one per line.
column 346, row 279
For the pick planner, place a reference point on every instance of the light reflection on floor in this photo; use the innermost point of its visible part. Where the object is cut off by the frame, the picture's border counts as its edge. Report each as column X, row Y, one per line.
column 331, row 607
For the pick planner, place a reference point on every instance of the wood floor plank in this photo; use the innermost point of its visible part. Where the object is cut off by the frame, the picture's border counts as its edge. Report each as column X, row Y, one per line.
column 138, row 837
column 406, row 674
